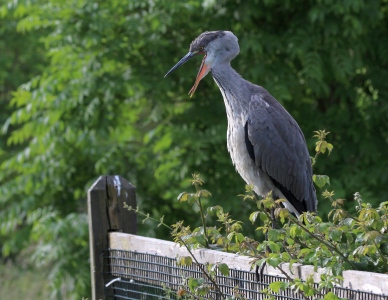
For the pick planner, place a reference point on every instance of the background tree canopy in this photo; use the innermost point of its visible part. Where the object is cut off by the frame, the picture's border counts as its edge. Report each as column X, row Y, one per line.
column 82, row 95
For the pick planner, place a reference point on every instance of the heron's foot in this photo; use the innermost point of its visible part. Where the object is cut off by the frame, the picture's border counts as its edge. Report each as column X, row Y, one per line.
column 260, row 272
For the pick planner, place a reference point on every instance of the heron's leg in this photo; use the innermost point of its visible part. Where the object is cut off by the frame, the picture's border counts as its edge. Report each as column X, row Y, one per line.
column 260, row 270
column 273, row 219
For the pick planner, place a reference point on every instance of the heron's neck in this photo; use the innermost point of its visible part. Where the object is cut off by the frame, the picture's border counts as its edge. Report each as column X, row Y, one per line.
column 234, row 89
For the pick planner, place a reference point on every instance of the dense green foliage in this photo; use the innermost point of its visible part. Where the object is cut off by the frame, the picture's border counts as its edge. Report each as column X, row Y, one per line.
column 92, row 100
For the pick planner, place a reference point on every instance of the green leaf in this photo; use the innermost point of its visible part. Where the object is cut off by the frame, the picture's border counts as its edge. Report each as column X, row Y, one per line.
column 224, row 269
column 295, row 231
column 321, row 180
column 215, row 210
column 263, row 216
column 290, row 241
column 202, row 290
column 183, row 197
column 322, row 146
column 204, row 193
column 193, row 283
column 185, row 261
column 278, row 286
column 350, row 238
column 305, row 251
column 253, row 216
column 274, row 235
column 331, row 296
column 384, row 248
column 274, row 247
column 239, row 237
column 283, row 214
column 348, row 222
column 230, row 236
column 274, row 261
column 286, row 257
column 335, row 235
column 337, row 269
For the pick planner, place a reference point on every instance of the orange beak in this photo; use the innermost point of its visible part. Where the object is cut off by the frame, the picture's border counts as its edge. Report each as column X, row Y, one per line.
column 203, row 70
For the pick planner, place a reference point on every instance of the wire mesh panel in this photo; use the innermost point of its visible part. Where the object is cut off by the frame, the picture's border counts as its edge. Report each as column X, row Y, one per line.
column 135, row 275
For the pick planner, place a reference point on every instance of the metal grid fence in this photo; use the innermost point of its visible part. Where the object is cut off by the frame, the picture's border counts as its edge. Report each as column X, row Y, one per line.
column 134, row 275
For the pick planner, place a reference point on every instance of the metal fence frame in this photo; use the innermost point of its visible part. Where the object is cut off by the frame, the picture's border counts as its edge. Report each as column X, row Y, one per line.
column 139, row 275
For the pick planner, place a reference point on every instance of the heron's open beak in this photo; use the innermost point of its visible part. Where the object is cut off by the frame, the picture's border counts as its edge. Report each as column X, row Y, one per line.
column 203, row 70
column 185, row 59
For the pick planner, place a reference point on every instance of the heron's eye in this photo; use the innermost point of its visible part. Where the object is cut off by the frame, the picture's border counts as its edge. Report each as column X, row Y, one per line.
column 201, row 48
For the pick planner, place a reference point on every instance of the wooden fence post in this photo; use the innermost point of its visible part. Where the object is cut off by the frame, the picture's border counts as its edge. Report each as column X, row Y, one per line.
column 106, row 212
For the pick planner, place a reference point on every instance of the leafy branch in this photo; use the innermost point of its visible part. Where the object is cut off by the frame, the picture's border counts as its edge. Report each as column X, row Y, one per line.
column 176, row 232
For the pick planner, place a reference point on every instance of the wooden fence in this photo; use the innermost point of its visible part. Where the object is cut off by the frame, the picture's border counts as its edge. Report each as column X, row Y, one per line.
column 106, row 211
column 115, row 250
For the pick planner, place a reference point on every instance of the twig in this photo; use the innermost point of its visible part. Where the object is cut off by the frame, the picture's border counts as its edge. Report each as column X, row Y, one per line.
column 202, row 268
column 288, row 277
column 322, row 241
column 186, row 246
column 203, row 223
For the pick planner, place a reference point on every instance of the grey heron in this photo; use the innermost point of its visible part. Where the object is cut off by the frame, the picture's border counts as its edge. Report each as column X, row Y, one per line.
column 267, row 146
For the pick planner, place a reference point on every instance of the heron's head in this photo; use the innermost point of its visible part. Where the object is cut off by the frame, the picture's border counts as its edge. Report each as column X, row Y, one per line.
column 216, row 46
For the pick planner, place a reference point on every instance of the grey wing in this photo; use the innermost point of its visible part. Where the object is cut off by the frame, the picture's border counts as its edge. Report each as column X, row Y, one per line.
column 277, row 146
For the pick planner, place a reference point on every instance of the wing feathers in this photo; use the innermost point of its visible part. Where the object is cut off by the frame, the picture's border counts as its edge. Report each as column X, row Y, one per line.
column 279, row 148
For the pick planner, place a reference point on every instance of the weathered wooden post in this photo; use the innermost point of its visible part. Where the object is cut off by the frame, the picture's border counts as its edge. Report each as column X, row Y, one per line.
column 106, row 210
